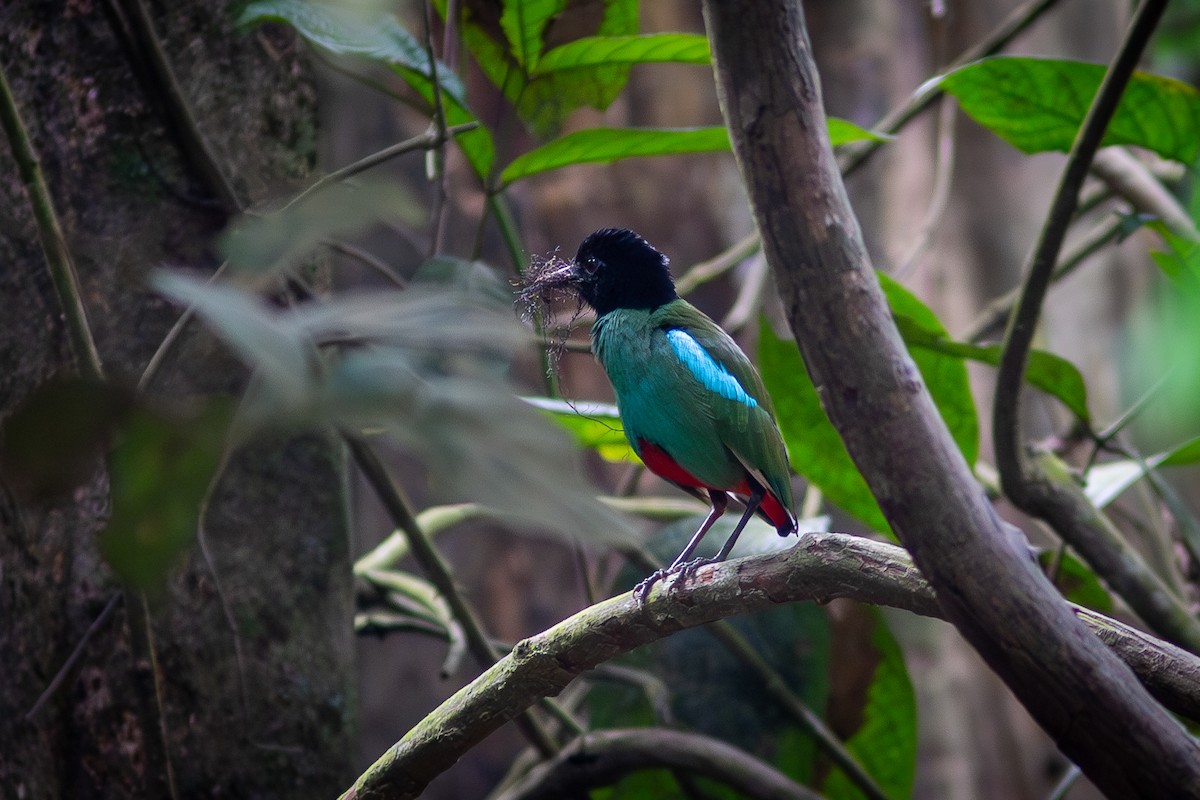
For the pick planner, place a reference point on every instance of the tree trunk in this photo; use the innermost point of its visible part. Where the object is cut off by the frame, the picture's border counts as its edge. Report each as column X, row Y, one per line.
column 1091, row 706
column 267, row 709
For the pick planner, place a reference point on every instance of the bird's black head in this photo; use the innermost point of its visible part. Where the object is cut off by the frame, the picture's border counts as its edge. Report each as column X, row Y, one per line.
column 616, row 268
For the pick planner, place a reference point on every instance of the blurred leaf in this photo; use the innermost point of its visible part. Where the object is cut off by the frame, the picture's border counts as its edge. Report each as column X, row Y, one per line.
column 593, row 51
column 285, row 359
column 52, row 442
column 1054, row 375
column 1106, row 482
column 371, row 32
column 596, row 426
column 352, row 29
column 160, row 470
column 524, row 23
column 1038, row 104
column 844, row 132
column 1077, row 582
column 944, row 375
column 886, row 744
column 602, row 145
column 1186, row 453
column 814, row 446
column 261, row 246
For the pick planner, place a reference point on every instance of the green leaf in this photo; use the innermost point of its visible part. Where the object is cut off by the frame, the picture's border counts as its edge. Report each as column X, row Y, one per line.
column 886, row 744
column 844, row 132
column 1077, row 582
column 814, row 446
column 1052, row 374
column 596, row 426
column 1039, row 104
column 602, row 145
column 543, row 101
column 379, row 36
column 1186, row 453
column 597, row 51
column 160, row 469
column 52, row 442
column 944, row 374
column 523, row 23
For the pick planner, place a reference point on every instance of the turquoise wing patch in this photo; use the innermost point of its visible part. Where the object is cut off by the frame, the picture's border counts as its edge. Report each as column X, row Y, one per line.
column 707, row 370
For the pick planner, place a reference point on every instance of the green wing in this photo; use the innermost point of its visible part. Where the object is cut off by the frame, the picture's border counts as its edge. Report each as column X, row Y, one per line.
column 748, row 429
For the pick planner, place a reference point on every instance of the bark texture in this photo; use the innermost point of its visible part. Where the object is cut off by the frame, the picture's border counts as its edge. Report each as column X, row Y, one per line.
column 132, row 194
column 1083, row 697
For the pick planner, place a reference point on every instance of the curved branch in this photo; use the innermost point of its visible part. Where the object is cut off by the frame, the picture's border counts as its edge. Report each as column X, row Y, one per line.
column 603, row 758
column 1031, row 487
column 820, row 567
column 986, row 583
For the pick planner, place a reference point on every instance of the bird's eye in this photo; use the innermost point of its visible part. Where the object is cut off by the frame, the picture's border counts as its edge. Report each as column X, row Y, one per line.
column 591, row 264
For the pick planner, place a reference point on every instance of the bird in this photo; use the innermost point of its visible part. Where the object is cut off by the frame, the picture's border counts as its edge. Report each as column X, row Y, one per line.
column 693, row 406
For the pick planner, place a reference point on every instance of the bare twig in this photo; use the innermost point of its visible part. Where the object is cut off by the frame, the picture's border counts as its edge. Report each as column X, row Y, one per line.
column 856, row 154
column 73, row 659
column 603, row 758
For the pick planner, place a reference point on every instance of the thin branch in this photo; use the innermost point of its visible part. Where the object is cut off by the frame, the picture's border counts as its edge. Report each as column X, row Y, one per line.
column 998, row 310
column 719, row 264
column 438, row 572
column 820, row 567
column 54, row 243
column 430, row 140
column 605, row 757
column 856, row 154
column 1030, row 487
column 66, row 283
column 368, row 259
column 942, row 183
column 73, row 659
column 141, row 37
column 1132, row 180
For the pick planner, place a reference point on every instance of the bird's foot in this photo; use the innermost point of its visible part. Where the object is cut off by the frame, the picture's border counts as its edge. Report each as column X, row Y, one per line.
column 682, row 573
column 642, row 589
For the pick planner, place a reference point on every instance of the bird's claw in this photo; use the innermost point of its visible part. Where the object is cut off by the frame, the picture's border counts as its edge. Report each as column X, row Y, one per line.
column 642, row 589
column 681, row 572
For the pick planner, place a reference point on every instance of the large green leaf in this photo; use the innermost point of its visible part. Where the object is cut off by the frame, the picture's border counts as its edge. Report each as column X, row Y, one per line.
column 814, row 446
column 596, row 51
column 602, row 145
column 1052, row 374
column 886, row 744
column 1038, row 104
column 370, row 33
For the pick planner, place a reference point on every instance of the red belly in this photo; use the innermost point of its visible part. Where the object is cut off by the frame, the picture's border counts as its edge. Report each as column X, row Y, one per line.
column 662, row 465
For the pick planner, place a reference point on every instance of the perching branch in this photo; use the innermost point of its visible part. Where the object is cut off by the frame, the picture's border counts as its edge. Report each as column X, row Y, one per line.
column 986, row 582
column 820, row 567
column 602, row 758
column 1030, row 487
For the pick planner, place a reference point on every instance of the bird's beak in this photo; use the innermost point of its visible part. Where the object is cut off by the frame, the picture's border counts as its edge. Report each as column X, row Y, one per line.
column 555, row 276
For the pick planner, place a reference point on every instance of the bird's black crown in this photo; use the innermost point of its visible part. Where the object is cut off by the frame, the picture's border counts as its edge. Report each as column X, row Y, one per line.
column 616, row 268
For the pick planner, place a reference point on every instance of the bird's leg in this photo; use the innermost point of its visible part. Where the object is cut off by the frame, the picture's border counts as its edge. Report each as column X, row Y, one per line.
column 684, row 570
column 719, row 501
